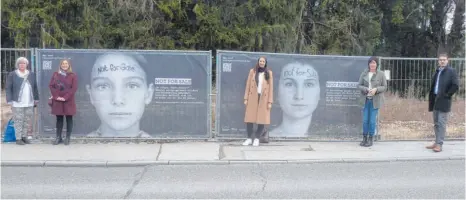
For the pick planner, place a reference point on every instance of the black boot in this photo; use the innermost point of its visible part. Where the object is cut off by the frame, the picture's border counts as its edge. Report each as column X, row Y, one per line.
column 58, row 138
column 20, row 142
column 25, row 140
column 67, row 138
column 369, row 141
column 364, row 141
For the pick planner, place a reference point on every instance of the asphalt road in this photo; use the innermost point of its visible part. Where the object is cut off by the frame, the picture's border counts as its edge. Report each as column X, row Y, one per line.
column 405, row 180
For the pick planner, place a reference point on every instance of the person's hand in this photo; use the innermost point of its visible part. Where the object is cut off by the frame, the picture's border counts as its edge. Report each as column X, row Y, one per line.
column 245, row 102
column 269, row 105
column 36, row 102
column 373, row 91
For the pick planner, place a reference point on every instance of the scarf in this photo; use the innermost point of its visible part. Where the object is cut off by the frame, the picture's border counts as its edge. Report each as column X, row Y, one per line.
column 260, row 69
column 22, row 74
column 63, row 73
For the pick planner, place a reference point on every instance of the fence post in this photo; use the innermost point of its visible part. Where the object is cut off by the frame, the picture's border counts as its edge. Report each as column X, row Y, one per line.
column 209, row 88
column 35, row 132
column 377, row 134
column 32, row 60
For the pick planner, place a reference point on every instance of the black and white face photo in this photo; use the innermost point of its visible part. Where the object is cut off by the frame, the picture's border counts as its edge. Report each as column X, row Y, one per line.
column 132, row 93
column 119, row 91
column 298, row 97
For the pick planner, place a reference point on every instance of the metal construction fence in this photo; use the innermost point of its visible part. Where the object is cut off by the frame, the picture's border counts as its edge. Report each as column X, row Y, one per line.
column 412, row 77
column 315, row 96
column 405, row 115
column 8, row 58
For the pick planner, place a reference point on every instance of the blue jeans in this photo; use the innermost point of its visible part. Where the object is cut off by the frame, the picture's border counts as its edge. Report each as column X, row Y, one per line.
column 369, row 118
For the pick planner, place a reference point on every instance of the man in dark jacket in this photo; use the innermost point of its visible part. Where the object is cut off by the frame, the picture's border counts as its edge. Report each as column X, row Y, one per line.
column 444, row 85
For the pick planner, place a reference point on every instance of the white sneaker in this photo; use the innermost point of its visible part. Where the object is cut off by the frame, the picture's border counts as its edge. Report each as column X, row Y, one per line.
column 247, row 142
column 255, row 143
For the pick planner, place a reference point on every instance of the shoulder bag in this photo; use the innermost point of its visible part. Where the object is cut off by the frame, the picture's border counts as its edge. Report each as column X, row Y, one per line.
column 50, row 101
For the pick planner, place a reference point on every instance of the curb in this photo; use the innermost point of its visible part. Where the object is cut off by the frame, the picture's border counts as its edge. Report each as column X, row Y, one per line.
column 142, row 163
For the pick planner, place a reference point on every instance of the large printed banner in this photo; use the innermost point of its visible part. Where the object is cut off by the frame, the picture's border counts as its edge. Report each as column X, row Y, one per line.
column 314, row 96
column 158, row 94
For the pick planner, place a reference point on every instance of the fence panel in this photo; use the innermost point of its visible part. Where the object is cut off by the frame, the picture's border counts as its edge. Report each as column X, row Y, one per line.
column 405, row 115
column 8, row 59
column 132, row 93
column 315, row 97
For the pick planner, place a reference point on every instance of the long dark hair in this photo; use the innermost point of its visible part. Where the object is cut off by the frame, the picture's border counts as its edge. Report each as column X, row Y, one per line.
column 266, row 70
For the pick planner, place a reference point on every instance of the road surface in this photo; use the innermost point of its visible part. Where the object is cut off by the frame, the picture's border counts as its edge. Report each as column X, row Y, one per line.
column 404, row 180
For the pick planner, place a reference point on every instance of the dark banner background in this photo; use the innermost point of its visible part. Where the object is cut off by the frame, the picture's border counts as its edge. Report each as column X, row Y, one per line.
column 338, row 113
column 176, row 110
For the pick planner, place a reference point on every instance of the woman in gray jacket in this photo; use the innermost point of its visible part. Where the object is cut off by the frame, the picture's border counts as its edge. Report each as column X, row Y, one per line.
column 372, row 84
column 22, row 94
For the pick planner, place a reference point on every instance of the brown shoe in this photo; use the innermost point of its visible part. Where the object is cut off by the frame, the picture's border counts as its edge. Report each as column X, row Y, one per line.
column 432, row 146
column 437, row 148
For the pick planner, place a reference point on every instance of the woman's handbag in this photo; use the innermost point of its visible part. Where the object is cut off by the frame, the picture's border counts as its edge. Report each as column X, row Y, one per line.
column 50, row 102
column 9, row 134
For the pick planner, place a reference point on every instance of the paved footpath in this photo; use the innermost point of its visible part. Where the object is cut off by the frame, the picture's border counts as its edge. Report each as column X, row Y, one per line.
column 122, row 154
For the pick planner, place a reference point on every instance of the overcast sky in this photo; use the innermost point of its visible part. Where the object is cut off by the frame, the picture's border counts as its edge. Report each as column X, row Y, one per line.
column 450, row 15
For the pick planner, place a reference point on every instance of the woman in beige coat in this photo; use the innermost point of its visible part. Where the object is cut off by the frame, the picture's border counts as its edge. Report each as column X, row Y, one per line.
column 258, row 98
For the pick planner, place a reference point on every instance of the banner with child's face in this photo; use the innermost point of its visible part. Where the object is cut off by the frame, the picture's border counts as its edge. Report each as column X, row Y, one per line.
column 314, row 96
column 148, row 94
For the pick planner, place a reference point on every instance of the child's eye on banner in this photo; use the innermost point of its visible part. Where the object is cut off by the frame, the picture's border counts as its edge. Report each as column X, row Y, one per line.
column 102, row 86
column 133, row 85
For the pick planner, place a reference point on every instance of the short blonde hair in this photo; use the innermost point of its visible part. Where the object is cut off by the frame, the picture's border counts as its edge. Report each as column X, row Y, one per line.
column 21, row 59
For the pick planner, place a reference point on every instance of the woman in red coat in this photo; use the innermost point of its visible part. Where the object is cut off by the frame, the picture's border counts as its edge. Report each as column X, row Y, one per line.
column 63, row 86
